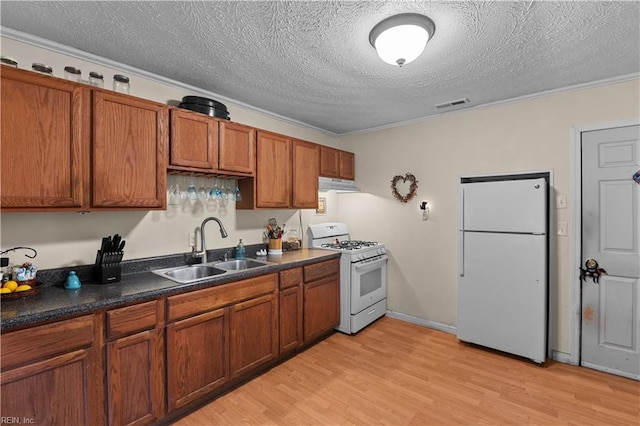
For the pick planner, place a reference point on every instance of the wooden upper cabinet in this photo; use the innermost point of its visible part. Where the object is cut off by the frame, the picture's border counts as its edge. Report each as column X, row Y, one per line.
column 306, row 170
column 329, row 162
column 200, row 143
column 45, row 142
column 286, row 174
column 273, row 170
column 237, row 148
column 347, row 165
column 66, row 146
column 193, row 140
column 335, row 163
column 129, row 152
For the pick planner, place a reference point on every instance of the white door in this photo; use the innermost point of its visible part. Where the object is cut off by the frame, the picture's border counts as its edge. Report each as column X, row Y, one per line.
column 611, row 236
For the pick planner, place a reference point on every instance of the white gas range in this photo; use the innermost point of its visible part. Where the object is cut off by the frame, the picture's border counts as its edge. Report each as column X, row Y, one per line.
column 363, row 275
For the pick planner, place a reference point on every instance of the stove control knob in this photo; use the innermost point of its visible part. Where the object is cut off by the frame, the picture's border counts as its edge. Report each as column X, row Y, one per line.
column 361, row 256
column 380, row 251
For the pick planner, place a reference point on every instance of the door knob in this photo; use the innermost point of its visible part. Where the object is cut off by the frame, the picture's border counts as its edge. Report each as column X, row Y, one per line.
column 591, row 269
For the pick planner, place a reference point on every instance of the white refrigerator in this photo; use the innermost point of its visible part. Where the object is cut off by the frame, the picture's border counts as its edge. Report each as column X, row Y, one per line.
column 503, row 264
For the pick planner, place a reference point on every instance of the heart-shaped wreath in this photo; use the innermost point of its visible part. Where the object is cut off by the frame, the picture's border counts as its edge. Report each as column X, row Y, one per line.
column 413, row 187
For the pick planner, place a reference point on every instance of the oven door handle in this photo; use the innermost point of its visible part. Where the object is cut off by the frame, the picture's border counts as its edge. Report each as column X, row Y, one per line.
column 368, row 264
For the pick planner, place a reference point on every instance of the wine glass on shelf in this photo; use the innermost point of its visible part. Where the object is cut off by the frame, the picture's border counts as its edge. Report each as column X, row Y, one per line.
column 174, row 195
column 192, row 192
column 218, row 191
column 237, row 194
column 212, row 201
column 202, row 191
column 224, row 199
column 228, row 192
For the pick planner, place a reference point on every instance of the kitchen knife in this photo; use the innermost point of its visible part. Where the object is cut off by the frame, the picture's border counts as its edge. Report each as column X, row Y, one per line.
column 116, row 242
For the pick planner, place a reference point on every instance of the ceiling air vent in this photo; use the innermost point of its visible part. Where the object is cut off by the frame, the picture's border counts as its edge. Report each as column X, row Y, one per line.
column 453, row 103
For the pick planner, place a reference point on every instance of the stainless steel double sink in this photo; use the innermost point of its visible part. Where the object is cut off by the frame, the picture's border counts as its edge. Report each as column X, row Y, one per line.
column 189, row 274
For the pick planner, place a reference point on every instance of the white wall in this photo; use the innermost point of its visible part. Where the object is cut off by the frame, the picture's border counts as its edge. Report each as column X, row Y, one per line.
column 69, row 239
column 528, row 135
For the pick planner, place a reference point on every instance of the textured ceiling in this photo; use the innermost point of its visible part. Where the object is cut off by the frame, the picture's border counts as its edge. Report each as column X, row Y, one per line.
column 311, row 61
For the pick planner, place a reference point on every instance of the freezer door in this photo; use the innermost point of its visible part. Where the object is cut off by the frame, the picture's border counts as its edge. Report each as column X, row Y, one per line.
column 502, row 293
column 504, row 206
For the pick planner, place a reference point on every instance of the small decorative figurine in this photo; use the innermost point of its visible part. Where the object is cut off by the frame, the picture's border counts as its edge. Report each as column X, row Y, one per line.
column 592, row 270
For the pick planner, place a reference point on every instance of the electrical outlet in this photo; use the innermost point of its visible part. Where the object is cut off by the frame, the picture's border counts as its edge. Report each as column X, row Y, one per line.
column 561, row 229
column 192, row 240
column 561, row 202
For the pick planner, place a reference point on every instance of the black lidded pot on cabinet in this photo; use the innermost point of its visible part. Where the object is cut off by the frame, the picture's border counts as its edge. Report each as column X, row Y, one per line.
column 205, row 106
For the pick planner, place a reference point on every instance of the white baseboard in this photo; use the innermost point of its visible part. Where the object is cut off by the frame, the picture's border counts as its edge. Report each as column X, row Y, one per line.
column 423, row 322
column 562, row 357
column 558, row 356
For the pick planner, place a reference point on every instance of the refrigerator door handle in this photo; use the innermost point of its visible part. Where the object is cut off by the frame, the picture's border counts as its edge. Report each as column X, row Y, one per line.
column 461, row 253
column 461, row 204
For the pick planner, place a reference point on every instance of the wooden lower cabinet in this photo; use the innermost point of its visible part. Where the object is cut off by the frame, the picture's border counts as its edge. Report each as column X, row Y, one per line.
column 197, row 356
column 52, row 374
column 218, row 334
column 254, row 334
column 290, row 306
column 321, row 298
column 141, row 364
column 135, row 364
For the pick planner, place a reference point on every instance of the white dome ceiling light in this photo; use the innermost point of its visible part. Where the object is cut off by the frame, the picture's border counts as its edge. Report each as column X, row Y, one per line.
column 400, row 39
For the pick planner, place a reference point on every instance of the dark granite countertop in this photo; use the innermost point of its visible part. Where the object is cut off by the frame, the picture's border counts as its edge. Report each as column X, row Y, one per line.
column 138, row 284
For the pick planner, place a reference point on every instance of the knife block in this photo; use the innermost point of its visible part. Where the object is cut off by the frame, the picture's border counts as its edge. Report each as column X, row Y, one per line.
column 106, row 274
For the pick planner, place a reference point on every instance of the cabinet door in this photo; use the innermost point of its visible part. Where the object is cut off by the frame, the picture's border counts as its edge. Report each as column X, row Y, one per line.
column 321, row 307
column 52, row 374
column 129, row 152
column 306, row 170
column 135, row 379
column 329, row 162
column 254, row 334
column 197, row 357
column 50, row 392
column 237, row 148
column 347, row 165
column 193, row 141
column 290, row 318
column 45, row 142
column 273, row 171
column 290, row 307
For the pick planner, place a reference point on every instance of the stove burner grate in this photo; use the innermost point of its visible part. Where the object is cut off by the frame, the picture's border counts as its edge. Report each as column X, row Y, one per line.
column 349, row 244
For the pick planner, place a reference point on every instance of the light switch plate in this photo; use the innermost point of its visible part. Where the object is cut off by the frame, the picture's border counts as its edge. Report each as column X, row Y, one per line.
column 562, row 229
column 561, row 202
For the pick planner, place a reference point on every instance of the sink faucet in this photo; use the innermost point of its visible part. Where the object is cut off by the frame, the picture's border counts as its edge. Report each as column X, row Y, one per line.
column 203, row 247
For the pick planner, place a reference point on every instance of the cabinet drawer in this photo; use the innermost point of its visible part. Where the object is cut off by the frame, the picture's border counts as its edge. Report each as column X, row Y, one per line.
column 321, row 270
column 290, row 277
column 196, row 302
column 130, row 319
column 23, row 346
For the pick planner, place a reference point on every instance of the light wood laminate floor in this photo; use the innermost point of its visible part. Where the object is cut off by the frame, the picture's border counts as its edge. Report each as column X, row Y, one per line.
column 397, row 373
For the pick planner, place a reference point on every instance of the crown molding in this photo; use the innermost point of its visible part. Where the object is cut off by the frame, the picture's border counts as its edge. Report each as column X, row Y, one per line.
column 62, row 49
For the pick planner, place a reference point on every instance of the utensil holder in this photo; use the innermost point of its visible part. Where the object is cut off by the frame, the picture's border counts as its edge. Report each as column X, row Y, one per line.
column 275, row 245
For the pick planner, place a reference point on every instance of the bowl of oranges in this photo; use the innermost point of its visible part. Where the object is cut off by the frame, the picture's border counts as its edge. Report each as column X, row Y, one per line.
column 17, row 289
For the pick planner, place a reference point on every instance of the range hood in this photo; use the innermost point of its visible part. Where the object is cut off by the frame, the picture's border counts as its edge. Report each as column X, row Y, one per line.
column 338, row 185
